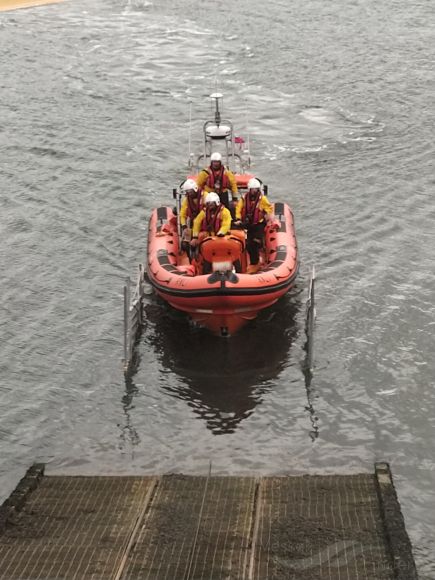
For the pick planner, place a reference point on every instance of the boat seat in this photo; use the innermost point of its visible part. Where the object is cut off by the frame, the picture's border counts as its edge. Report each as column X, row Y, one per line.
column 222, row 252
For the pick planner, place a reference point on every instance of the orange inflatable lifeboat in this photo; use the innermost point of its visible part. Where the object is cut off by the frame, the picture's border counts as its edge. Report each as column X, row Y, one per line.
column 227, row 296
column 217, row 286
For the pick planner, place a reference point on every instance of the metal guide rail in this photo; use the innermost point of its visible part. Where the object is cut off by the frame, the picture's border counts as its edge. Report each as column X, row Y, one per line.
column 310, row 318
column 133, row 320
column 133, row 317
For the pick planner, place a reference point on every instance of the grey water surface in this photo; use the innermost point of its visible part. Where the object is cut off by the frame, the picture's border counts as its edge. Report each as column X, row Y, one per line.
column 337, row 99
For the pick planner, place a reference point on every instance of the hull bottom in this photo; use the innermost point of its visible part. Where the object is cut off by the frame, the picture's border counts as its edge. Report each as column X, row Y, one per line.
column 224, row 321
column 223, row 324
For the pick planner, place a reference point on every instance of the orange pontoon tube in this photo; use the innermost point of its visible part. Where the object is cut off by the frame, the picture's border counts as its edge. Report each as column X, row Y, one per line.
column 224, row 299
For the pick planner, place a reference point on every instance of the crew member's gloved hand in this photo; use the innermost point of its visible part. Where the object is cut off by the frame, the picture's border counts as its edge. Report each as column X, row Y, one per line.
column 237, row 222
column 220, row 234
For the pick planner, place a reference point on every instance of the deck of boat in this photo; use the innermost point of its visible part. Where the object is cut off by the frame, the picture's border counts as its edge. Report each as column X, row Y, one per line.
column 345, row 527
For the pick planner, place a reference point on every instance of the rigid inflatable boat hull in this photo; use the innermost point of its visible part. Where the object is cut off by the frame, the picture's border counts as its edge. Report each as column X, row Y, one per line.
column 221, row 301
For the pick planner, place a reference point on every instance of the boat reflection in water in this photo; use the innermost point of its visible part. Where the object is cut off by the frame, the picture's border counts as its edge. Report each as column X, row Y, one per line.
column 129, row 436
column 223, row 380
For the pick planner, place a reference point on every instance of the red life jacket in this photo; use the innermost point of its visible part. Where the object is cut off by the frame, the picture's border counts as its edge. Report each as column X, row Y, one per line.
column 212, row 223
column 218, row 180
column 194, row 206
column 251, row 212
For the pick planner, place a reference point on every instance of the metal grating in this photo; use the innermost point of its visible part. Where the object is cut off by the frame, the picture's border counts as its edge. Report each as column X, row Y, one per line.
column 197, row 528
column 320, row 528
column 72, row 528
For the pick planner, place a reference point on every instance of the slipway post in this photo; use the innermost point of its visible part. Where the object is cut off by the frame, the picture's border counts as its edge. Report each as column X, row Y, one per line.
column 126, row 310
column 310, row 318
column 133, row 317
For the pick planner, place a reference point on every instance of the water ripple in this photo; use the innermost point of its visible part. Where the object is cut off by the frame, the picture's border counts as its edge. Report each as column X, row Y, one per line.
column 336, row 101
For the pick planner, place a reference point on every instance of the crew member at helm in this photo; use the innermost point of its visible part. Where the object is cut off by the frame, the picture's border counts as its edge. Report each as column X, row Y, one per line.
column 213, row 220
column 253, row 212
column 220, row 180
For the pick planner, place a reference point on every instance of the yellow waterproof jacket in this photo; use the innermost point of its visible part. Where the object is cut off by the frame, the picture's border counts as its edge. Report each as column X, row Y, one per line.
column 224, row 225
column 205, row 181
column 264, row 205
column 184, row 211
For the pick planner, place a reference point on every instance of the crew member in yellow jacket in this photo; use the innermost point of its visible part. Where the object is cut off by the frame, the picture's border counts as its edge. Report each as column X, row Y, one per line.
column 214, row 219
column 253, row 212
column 191, row 204
column 220, row 180
column 190, row 208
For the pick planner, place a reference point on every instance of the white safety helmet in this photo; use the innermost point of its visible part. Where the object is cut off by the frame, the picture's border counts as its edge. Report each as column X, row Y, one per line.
column 189, row 184
column 254, row 183
column 212, row 197
column 216, row 156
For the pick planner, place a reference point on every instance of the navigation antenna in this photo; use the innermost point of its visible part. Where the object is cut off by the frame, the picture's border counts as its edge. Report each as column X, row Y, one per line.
column 217, row 113
column 218, row 130
column 247, row 149
column 190, row 163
